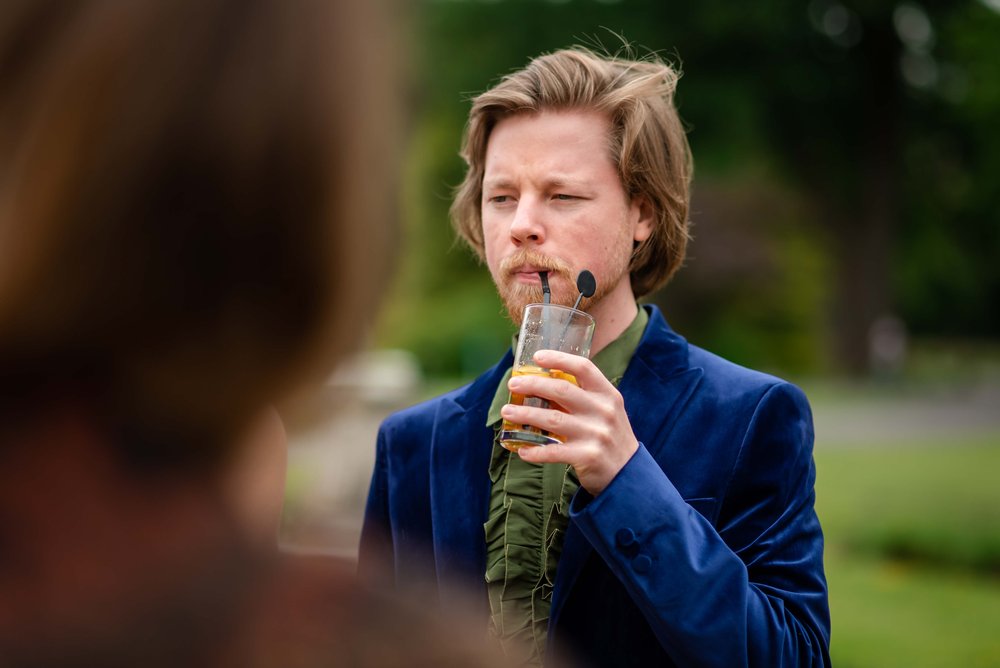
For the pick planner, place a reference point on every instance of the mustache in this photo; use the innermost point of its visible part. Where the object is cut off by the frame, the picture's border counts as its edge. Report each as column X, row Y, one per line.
column 535, row 259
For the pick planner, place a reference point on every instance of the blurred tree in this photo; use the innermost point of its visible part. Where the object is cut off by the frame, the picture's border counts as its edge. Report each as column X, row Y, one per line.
column 869, row 117
column 837, row 102
column 948, row 274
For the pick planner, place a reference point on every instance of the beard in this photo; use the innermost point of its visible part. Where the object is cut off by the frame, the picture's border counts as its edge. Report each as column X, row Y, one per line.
column 515, row 295
column 562, row 282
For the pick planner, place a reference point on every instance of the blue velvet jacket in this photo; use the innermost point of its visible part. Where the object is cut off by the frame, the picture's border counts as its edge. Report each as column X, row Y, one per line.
column 705, row 550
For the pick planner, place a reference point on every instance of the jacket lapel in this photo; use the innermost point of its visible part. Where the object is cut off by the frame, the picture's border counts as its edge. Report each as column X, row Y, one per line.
column 655, row 387
column 461, row 446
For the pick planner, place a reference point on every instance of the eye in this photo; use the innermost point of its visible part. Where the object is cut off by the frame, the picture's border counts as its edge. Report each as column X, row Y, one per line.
column 564, row 197
column 499, row 199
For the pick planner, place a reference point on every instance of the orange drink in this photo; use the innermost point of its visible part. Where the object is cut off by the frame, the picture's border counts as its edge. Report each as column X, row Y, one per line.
column 513, row 436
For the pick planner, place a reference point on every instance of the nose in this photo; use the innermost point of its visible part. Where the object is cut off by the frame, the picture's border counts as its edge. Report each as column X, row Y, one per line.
column 527, row 225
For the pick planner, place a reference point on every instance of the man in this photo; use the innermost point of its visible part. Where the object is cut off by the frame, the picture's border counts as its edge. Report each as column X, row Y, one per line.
column 675, row 525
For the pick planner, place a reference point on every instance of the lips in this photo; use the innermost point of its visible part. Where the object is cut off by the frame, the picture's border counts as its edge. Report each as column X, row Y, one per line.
column 528, row 273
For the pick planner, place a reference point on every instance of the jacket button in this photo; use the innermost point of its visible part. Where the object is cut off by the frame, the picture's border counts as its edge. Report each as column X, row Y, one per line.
column 625, row 538
column 642, row 564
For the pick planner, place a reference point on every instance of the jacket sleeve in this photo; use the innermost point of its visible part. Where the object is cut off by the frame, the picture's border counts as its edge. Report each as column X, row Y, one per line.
column 745, row 590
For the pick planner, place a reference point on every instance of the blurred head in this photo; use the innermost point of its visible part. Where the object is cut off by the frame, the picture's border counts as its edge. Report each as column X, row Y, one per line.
column 193, row 210
column 647, row 144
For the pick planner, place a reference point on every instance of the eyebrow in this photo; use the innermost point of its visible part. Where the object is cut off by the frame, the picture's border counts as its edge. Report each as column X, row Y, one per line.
column 562, row 182
column 555, row 183
column 500, row 183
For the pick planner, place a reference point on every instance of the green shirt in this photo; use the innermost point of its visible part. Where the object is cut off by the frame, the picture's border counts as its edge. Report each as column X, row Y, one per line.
column 529, row 511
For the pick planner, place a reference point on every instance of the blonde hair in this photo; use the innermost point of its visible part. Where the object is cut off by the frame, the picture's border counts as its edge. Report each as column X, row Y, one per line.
column 647, row 142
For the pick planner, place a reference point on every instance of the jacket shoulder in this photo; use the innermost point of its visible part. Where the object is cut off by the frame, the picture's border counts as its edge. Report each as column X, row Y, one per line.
column 727, row 372
column 724, row 382
column 738, row 402
column 728, row 380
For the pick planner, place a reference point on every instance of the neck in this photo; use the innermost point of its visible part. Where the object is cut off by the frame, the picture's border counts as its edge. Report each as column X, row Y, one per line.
column 613, row 313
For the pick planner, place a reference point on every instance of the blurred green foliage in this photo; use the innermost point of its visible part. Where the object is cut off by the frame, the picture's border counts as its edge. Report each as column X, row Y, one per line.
column 845, row 154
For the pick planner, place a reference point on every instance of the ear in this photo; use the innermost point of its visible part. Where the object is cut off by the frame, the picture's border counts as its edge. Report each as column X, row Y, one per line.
column 644, row 218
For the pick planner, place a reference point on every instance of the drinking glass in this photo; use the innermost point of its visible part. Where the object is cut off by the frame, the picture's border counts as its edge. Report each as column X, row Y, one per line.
column 545, row 327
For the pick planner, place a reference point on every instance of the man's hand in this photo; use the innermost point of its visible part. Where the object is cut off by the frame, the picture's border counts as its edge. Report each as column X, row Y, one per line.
column 598, row 437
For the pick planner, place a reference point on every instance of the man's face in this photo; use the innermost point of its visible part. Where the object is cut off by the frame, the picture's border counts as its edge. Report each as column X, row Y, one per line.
column 552, row 200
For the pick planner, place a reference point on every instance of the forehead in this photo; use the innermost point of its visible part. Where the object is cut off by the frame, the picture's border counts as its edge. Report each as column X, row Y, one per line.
column 565, row 143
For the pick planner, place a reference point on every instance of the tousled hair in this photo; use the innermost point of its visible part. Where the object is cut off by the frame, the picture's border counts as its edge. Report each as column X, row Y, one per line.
column 648, row 144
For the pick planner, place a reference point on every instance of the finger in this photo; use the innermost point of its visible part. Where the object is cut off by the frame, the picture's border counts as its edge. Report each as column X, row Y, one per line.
column 586, row 372
column 546, row 419
column 557, row 390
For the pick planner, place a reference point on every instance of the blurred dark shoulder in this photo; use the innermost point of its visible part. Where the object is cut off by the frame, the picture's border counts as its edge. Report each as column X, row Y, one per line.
column 239, row 608
column 312, row 610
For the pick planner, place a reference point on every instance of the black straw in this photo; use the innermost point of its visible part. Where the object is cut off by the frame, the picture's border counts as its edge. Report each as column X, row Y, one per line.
column 546, row 293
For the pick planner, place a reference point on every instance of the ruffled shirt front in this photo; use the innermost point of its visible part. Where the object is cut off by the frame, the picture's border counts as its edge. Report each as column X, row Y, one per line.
column 528, row 515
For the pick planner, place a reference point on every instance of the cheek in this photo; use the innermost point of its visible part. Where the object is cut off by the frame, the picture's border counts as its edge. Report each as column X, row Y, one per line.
column 492, row 235
column 615, row 250
column 489, row 240
column 493, row 257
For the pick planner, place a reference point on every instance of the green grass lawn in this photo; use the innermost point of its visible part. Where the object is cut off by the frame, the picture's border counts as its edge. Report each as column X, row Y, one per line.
column 913, row 553
column 888, row 614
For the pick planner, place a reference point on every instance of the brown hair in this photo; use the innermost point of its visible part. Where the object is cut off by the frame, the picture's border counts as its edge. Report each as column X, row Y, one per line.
column 189, row 191
column 648, row 143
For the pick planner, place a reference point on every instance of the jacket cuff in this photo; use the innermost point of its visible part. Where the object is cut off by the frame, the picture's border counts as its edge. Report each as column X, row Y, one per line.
column 635, row 483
